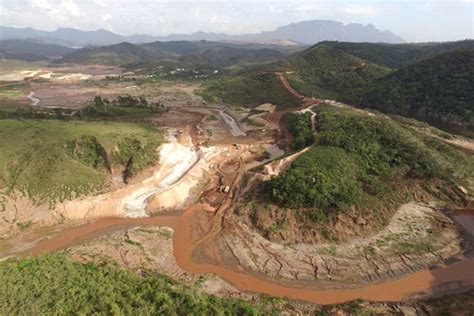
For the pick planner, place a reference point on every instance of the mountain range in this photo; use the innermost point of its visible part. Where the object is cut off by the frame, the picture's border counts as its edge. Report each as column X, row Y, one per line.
column 305, row 32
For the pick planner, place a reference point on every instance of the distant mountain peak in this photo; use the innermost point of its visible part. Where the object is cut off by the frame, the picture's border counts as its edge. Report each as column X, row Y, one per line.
column 305, row 32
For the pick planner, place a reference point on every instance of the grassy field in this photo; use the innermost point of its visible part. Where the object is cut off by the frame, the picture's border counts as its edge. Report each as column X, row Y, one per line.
column 10, row 65
column 50, row 160
column 11, row 94
column 57, row 286
column 249, row 90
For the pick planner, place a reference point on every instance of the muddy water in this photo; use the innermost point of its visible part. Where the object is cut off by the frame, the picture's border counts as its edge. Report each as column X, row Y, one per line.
column 34, row 100
column 425, row 281
column 273, row 151
column 178, row 159
column 229, row 120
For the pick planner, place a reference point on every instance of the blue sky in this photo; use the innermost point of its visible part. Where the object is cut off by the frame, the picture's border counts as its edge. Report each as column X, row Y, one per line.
column 413, row 20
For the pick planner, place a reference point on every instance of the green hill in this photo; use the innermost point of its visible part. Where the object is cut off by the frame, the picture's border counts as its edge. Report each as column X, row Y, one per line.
column 31, row 50
column 51, row 161
column 398, row 55
column 438, row 90
column 431, row 82
column 322, row 71
column 362, row 159
column 119, row 54
column 249, row 89
column 363, row 166
column 328, row 72
column 203, row 52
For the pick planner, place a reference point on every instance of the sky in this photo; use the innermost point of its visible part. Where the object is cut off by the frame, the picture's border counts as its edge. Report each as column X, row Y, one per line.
column 415, row 21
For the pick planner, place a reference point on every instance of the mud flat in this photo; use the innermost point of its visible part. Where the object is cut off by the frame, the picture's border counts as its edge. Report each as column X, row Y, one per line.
column 417, row 237
column 145, row 248
column 276, row 167
column 176, row 160
column 230, row 121
column 34, row 100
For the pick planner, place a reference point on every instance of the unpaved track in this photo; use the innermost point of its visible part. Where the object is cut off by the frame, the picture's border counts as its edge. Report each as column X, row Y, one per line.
column 288, row 87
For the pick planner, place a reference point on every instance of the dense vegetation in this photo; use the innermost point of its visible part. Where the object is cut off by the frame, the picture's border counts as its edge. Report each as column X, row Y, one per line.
column 438, row 90
column 397, row 55
column 182, row 52
column 122, row 106
column 322, row 71
column 51, row 160
column 299, row 125
column 361, row 160
column 327, row 72
column 55, row 285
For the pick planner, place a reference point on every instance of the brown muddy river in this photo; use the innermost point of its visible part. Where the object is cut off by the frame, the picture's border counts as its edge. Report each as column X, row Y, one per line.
column 457, row 275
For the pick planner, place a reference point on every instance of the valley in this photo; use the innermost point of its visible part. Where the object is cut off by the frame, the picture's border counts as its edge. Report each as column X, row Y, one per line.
column 262, row 189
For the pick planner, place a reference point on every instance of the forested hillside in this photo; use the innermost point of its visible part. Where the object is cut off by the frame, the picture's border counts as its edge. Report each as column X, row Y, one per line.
column 430, row 82
column 438, row 90
column 249, row 89
column 397, row 55
column 203, row 52
column 30, row 50
column 365, row 162
column 327, row 72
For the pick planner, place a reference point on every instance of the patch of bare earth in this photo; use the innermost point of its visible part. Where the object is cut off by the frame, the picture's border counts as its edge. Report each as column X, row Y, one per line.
column 416, row 237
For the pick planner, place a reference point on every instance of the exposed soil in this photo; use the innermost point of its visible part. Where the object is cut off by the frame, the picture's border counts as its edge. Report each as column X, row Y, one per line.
column 145, row 248
column 417, row 236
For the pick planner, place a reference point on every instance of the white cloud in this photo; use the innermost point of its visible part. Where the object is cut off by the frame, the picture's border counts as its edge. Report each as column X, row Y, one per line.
column 101, row 3
column 275, row 9
column 42, row 4
column 106, row 17
column 306, row 10
column 360, row 10
column 71, row 7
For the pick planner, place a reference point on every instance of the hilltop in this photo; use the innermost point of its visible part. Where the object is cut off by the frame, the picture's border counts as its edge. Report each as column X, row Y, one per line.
column 31, row 50
column 184, row 52
column 437, row 90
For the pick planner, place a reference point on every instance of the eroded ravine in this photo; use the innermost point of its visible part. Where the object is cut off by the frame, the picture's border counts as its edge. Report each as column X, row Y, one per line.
column 179, row 159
